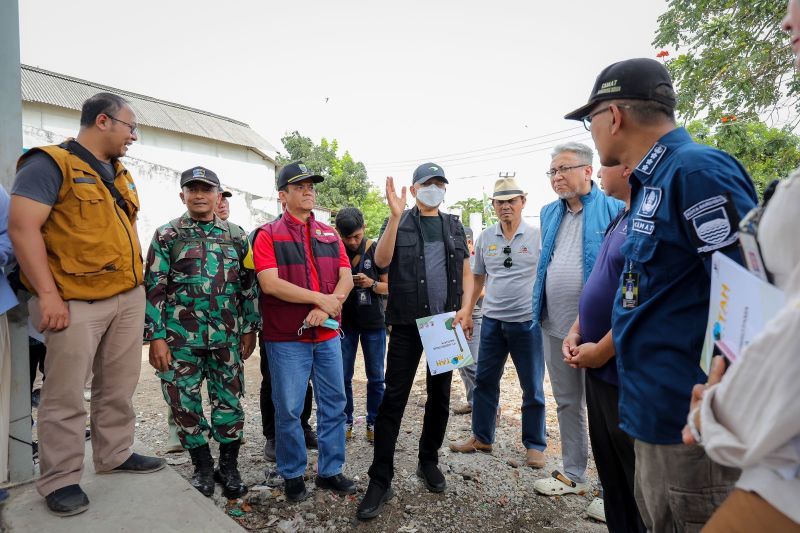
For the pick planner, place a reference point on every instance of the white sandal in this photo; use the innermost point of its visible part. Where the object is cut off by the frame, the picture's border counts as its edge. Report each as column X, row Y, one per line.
column 559, row 484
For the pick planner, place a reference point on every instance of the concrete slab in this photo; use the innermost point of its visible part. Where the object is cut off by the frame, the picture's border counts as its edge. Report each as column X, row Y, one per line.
column 161, row 501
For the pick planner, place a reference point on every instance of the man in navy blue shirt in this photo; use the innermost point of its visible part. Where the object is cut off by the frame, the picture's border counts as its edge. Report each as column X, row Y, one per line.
column 686, row 201
column 589, row 345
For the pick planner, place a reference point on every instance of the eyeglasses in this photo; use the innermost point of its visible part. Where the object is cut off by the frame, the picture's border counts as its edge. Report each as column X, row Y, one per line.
column 587, row 120
column 133, row 127
column 561, row 170
column 508, row 262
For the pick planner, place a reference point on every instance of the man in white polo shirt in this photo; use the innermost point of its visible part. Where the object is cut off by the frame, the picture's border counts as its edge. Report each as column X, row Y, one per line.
column 508, row 252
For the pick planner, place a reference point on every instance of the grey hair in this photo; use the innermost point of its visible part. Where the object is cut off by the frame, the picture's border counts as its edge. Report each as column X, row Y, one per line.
column 584, row 153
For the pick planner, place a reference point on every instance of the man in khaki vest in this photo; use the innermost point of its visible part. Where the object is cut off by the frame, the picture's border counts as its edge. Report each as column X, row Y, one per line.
column 73, row 226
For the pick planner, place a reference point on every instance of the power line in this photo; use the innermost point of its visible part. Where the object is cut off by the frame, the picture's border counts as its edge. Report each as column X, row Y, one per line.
column 512, row 155
column 384, row 163
column 455, row 161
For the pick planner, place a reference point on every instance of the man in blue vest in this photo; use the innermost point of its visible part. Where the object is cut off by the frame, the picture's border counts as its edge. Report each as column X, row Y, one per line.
column 572, row 232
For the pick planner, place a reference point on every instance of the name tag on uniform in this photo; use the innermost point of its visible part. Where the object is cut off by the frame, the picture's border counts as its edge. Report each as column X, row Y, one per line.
column 630, row 290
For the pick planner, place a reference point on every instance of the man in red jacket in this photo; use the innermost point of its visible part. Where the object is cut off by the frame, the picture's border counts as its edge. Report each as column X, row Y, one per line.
column 304, row 275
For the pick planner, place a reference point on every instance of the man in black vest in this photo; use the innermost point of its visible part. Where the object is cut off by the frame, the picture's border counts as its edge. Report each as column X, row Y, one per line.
column 428, row 260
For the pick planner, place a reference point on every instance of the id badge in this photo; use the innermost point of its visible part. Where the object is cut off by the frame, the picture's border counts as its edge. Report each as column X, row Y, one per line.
column 630, row 290
column 363, row 297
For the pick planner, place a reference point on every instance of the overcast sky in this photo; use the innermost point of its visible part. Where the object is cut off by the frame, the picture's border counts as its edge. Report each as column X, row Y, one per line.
column 405, row 82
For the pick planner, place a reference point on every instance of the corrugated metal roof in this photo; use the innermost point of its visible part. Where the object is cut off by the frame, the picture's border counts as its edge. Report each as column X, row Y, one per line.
column 43, row 86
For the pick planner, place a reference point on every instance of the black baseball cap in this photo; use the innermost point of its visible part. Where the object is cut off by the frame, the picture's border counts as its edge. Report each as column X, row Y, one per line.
column 225, row 192
column 427, row 171
column 294, row 172
column 632, row 79
column 199, row 174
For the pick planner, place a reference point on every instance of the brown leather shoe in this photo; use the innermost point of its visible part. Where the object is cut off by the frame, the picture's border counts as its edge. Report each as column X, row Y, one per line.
column 534, row 458
column 462, row 409
column 470, row 445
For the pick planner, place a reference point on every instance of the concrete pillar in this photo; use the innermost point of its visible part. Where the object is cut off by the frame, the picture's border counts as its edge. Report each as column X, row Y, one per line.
column 18, row 436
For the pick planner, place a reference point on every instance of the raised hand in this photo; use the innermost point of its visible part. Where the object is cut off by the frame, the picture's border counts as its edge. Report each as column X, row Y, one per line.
column 397, row 204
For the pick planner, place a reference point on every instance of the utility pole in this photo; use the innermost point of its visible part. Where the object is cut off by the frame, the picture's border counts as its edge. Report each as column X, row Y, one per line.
column 507, row 174
column 16, row 461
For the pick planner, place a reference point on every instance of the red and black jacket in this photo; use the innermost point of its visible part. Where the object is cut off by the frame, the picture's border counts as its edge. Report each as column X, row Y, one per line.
column 281, row 319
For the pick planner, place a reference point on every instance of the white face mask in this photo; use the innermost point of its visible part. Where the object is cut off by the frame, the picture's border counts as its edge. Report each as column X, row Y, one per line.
column 431, row 195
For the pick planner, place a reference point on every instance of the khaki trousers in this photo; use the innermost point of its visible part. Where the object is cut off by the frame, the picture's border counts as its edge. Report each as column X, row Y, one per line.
column 104, row 336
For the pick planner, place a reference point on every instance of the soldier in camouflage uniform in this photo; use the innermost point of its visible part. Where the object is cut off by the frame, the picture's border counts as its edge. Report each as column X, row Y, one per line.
column 201, row 322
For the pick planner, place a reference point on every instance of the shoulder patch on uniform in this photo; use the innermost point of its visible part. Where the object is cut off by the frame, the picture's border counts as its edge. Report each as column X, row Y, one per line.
column 650, row 161
column 714, row 223
column 652, row 199
column 705, row 205
column 643, row 226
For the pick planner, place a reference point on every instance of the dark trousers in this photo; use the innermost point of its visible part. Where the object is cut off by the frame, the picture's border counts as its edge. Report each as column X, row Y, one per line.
column 37, row 354
column 265, row 399
column 402, row 360
column 613, row 456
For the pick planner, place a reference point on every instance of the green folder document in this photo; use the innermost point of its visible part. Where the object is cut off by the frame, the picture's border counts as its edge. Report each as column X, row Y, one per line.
column 445, row 345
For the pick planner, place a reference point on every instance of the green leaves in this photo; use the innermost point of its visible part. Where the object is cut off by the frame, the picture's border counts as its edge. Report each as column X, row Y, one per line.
column 346, row 181
column 475, row 205
column 767, row 153
column 732, row 57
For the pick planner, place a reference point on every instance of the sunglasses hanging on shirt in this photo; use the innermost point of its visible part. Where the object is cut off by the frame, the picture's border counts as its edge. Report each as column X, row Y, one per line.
column 508, row 262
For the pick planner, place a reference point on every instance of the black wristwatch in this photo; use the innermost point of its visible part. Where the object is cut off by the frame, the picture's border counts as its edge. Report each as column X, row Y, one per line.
column 374, row 284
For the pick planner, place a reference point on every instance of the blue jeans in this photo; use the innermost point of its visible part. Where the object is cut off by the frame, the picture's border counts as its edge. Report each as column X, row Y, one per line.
column 373, row 344
column 468, row 372
column 524, row 342
column 291, row 364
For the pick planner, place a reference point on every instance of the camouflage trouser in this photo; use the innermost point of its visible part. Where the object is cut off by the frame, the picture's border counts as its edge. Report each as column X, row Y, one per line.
column 181, row 387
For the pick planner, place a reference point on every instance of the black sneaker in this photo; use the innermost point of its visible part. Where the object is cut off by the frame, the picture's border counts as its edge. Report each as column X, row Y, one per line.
column 372, row 503
column 432, row 476
column 269, row 449
column 140, row 464
column 67, row 501
column 311, row 438
column 295, row 489
column 338, row 484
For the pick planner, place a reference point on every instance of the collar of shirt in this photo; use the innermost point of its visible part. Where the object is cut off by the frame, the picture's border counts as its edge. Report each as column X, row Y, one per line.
column 362, row 249
column 291, row 219
column 188, row 222
column 498, row 230
column 669, row 142
column 585, row 199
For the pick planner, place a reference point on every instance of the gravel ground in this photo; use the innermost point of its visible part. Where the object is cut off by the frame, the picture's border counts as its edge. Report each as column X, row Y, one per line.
column 484, row 492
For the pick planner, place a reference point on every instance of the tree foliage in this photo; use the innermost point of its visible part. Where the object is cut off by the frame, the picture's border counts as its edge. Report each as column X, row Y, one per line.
column 767, row 153
column 375, row 211
column 346, row 182
column 476, row 205
column 732, row 58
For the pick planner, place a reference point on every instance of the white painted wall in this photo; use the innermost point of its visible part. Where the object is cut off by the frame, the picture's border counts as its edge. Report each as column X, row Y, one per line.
column 157, row 160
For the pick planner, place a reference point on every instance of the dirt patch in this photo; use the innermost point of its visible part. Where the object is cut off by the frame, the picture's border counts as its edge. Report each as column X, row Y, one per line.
column 484, row 492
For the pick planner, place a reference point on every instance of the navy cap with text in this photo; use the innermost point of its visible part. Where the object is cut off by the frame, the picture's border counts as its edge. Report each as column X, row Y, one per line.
column 632, row 79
